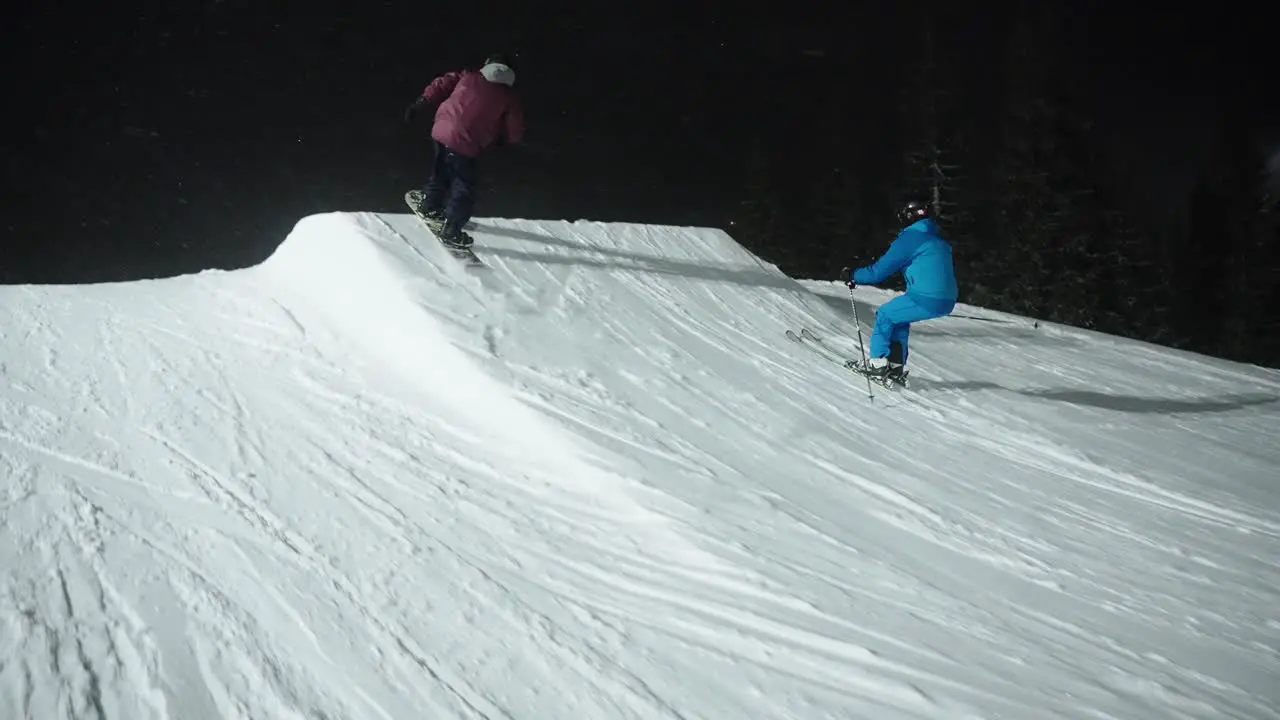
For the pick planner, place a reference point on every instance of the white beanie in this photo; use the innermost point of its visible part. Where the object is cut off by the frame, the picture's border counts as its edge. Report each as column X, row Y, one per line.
column 498, row 73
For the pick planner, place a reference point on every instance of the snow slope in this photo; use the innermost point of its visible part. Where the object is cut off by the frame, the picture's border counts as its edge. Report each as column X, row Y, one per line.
column 595, row 481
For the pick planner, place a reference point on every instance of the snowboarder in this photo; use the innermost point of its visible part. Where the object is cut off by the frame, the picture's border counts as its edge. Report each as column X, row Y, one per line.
column 476, row 109
column 924, row 258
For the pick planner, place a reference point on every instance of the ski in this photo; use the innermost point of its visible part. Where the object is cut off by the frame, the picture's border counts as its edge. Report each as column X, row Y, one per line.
column 807, row 338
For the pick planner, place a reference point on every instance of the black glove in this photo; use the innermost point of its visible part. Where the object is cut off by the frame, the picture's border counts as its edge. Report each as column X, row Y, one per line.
column 413, row 109
column 846, row 274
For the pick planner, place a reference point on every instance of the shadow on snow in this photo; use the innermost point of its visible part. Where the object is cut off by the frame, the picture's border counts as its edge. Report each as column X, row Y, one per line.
column 620, row 259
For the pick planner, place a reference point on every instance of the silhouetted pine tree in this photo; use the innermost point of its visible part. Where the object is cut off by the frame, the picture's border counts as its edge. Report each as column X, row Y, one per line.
column 843, row 229
column 1250, row 324
column 1202, row 261
column 1028, row 215
column 760, row 225
column 933, row 143
column 1260, row 287
column 1048, row 218
column 1210, row 257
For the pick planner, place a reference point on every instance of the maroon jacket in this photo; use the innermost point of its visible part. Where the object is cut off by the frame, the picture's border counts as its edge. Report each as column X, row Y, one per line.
column 476, row 108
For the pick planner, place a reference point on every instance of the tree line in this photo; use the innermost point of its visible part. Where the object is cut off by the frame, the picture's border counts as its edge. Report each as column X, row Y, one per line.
column 1042, row 218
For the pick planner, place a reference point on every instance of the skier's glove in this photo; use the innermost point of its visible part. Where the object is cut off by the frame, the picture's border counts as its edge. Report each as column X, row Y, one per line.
column 846, row 274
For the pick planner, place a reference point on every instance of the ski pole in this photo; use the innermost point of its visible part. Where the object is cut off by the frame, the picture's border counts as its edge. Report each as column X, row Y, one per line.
column 861, row 351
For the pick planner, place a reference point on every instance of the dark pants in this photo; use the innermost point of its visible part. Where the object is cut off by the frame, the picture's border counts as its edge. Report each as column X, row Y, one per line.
column 451, row 187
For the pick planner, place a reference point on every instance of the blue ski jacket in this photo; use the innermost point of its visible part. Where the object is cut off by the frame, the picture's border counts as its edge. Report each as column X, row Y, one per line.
column 923, row 257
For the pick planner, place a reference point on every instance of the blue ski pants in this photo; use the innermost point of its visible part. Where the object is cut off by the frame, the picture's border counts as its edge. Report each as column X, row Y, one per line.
column 893, row 323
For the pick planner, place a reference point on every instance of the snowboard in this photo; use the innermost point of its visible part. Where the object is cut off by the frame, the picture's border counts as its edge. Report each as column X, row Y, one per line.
column 413, row 199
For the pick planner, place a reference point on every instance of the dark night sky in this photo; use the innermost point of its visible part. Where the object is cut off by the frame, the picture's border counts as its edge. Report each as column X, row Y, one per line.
column 220, row 124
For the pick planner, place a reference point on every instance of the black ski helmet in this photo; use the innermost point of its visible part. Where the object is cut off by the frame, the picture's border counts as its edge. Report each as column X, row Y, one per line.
column 912, row 210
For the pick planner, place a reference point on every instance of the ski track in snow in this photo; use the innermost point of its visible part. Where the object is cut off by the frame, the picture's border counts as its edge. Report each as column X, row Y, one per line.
column 594, row 480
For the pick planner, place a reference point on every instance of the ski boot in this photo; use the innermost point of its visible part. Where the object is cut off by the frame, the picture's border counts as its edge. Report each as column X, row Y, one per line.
column 885, row 373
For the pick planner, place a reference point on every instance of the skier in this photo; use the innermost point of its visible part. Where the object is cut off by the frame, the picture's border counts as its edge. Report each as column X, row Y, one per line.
column 476, row 109
column 924, row 258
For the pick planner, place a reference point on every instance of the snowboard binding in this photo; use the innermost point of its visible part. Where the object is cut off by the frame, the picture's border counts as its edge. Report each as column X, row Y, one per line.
column 459, row 246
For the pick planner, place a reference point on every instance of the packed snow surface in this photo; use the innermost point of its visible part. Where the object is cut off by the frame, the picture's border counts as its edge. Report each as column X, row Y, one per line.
column 595, row 480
